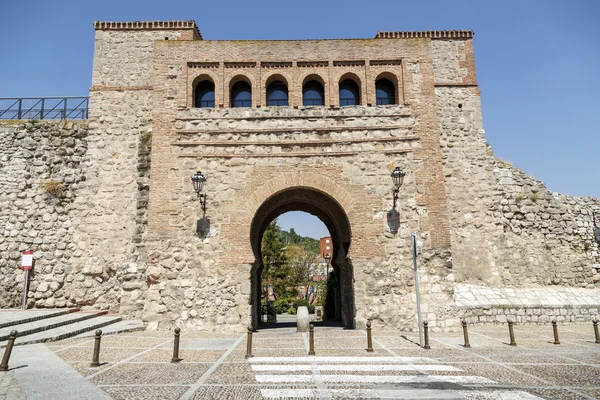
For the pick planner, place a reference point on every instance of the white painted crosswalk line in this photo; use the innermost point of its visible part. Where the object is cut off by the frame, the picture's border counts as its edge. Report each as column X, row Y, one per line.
column 281, row 370
column 283, row 378
column 282, row 367
column 354, row 367
column 374, row 379
column 332, row 359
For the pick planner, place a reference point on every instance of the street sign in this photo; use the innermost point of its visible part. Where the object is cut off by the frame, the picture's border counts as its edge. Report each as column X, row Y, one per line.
column 27, row 260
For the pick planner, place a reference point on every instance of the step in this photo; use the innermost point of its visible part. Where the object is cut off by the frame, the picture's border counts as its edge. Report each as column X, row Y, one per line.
column 48, row 323
column 66, row 331
column 127, row 325
column 13, row 317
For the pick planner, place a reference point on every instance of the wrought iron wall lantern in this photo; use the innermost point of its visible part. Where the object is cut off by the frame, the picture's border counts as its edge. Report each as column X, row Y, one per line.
column 397, row 178
column 198, row 180
column 393, row 216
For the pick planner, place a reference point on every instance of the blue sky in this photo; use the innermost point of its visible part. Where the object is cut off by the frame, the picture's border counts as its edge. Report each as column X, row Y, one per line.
column 537, row 61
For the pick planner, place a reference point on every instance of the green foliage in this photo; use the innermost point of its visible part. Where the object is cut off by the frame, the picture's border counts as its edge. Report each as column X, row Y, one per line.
column 300, row 303
column 291, row 311
column 282, row 304
column 291, row 237
column 276, row 267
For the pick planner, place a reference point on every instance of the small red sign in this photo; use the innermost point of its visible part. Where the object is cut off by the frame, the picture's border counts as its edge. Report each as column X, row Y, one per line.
column 27, row 260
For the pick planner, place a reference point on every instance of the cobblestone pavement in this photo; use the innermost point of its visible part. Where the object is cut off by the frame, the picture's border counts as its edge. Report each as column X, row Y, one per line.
column 137, row 365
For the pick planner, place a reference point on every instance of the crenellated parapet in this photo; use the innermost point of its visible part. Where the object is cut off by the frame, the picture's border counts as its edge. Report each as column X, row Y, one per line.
column 149, row 25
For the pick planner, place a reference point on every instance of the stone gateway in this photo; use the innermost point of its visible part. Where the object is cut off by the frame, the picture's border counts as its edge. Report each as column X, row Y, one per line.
column 108, row 207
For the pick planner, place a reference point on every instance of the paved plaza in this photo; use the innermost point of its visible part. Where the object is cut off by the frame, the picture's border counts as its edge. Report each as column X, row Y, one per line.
column 137, row 366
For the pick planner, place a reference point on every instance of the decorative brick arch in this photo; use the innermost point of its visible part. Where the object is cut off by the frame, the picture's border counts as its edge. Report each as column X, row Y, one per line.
column 282, row 76
column 330, row 202
column 390, row 76
column 356, row 79
column 311, row 75
column 238, row 77
column 204, row 76
column 307, row 180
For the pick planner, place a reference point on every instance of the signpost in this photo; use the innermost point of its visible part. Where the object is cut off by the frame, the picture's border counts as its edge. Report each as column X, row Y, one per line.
column 26, row 265
column 416, row 272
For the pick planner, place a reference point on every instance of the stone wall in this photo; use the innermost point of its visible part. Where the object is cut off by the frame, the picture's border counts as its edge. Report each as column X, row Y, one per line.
column 42, row 170
column 508, row 229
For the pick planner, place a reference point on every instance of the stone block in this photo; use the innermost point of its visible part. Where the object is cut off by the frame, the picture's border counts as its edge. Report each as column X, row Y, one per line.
column 302, row 319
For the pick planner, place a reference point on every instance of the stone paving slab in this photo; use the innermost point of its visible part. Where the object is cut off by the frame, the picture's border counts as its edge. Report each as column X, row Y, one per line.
column 9, row 387
column 43, row 375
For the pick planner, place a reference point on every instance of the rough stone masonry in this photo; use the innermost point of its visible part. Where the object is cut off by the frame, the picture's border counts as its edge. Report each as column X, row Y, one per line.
column 108, row 207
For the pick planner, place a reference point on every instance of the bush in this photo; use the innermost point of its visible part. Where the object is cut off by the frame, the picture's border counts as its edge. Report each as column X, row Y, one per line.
column 282, row 304
column 291, row 311
column 311, row 309
column 300, row 303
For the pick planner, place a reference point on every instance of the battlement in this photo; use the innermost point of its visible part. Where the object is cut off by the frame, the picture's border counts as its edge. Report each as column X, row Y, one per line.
column 425, row 34
column 149, row 25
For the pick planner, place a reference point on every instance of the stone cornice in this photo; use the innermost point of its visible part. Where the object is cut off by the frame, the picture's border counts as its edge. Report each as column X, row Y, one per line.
column 147, row 25
column 425, row 34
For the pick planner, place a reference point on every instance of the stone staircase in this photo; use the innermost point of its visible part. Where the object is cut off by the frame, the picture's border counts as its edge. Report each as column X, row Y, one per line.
column 36, row 326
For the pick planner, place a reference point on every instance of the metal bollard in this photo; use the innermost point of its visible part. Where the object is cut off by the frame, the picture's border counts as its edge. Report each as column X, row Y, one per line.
column 555, row 330
column 311, row 340
column 426, row 334
column 369, row 337
column 465, row 334
column 175, row 358
column 511, row 333
column 9, row 346
column 595, row 322
column 96, row 357
column 249, row 342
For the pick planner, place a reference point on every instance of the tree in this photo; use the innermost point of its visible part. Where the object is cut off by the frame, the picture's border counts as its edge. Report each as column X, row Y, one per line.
column 276, row 269
column 302, row 263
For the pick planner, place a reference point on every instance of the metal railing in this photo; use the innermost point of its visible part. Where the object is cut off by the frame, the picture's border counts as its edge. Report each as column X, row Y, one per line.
column 348, row 101
column 384, row 101
column 205, row 103
column 277, row 103
column 241, row 103
column 308, row 101
column 38, row 108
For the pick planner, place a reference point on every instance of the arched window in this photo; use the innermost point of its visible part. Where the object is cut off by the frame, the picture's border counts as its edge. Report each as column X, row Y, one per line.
column 205, row 94
column 349, row 93
column 241, row 95
column 277, row 94
column 385, row 92
column 313, row 94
